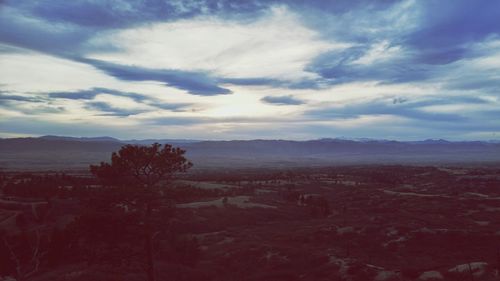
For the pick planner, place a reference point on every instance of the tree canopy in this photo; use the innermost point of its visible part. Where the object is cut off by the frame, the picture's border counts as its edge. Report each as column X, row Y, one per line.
column 142, row 166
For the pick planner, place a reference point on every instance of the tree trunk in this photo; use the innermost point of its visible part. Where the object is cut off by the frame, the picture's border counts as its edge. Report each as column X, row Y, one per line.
column 150, row 267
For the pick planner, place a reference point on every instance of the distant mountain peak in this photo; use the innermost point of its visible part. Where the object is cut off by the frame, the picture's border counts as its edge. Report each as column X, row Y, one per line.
column 103, row 138
column 435, row 141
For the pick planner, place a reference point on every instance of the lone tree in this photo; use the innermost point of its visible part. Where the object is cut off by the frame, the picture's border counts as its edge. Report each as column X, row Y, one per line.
column 135, row 175
column 142, row 166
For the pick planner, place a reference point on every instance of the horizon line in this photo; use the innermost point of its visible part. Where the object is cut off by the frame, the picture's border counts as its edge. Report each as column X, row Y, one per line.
column 355, row 139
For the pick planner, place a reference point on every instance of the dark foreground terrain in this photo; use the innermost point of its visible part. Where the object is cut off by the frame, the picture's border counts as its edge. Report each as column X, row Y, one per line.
column 343, row 223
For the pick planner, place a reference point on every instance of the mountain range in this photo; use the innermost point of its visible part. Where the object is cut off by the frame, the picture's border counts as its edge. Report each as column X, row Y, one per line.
column 59, row 152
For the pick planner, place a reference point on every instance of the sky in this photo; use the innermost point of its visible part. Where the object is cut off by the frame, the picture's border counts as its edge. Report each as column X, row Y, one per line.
column 225, row 69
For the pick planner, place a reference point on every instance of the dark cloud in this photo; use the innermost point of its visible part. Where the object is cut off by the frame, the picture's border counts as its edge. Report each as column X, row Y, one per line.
column 196, row 83
column 300, row 84
column 449, row 26
column 430, row 101
column 90, row 94
column 176, row 107
column 37, row 105
column 77, row 95
column 441, row 56
column 341, row 6
column 35, row 109
column 107, row 14
column 282, row 100
column 8, row 98
column 250, row 81
column 110, row 110
column 19, row 28
column 41, row 109
column 339, row 67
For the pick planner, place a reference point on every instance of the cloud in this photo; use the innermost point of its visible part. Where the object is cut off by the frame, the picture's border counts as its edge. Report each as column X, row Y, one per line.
column 298, row 84
column 91, row 94
column 282, row 100
column 252, row 81
column 196, row 83
column 418, row 110
column 104, row 14
column 28, row 104
column 65, row 28
column 123, row 13
column 479, row 74
column 17, row 98
column 110, row 110
column 448, row 27
column 19, row 28
column 30, row 108
column 275, row 45
column 407, row 41
column 344, row 66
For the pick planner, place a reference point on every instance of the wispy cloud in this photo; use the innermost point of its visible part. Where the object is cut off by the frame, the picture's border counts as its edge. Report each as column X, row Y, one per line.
column 282, row 100
column 275, row 45
column 398, row 107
